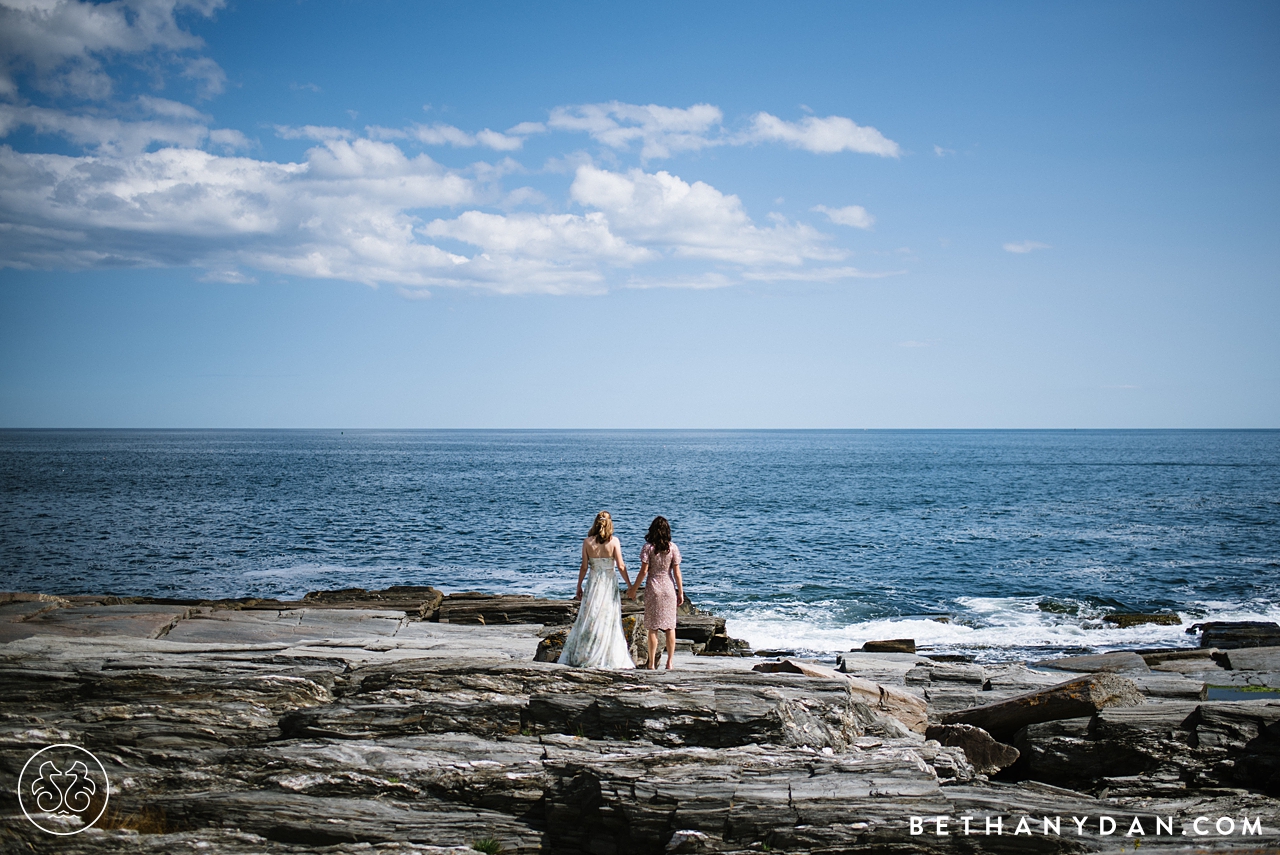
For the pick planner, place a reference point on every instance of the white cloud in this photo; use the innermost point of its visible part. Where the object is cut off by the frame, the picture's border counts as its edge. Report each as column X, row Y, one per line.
column 692, row 220
column 230, row 140
column 568, row 163
column 525, row 129
column 492, row 173
column 230, row 276
column 497, row 141
column 339, row 214
column 661, row 130
column 377, row 132
column 346, row 211
column 165, row 108
column 207, row 74
column 60, row 45
column 104, row 133
column 703, row 282
column 540, row 236
column 636, row 218
column 319, row 133
column 523, row 196
column 823, row 136
column 440, row 134
column 943, row 152
column 851, row 215
column 819, row 274
column 156, row 184
column 1025, row 246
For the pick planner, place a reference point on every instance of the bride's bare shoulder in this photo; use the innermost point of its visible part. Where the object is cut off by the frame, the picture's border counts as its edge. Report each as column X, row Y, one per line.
column 593, row 546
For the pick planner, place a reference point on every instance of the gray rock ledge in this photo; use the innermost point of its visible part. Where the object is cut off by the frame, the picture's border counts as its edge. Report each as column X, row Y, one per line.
column 281, row 728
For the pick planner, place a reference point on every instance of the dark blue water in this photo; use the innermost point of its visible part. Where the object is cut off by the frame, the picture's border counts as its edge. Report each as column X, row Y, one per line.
column 1024, row 539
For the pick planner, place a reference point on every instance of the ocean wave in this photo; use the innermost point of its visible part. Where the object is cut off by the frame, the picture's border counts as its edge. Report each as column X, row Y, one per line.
column 986, row 627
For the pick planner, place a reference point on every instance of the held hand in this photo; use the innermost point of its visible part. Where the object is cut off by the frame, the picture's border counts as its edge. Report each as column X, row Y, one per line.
column 578, row 595
column 680, row 598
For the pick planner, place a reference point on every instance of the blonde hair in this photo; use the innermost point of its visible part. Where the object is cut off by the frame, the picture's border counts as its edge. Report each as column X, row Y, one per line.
column 602, row 528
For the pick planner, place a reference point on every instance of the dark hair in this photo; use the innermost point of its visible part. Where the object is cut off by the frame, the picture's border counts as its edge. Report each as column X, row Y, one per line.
column 659, row 535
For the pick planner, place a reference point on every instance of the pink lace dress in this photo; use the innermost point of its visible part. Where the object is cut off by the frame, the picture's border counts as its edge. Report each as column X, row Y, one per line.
column 660, row 587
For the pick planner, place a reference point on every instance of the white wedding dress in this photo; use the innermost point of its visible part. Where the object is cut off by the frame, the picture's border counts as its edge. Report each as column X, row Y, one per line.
column 596, row 640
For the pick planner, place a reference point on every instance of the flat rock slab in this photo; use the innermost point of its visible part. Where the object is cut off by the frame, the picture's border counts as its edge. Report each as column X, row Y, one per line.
column 422, row 599
column 17, row 611
column 986, row 754
column 700, row 708
column 890, row 645
column 1125, row 620
column 515, row 608
column 1157, row 656
column 947, row 672
column 1109, row 663
column 1013, row 679
column 29, row 597
column 1185, row 745
column 1227, row 635
column 1072, row 699
column 699, row 628
column 323, row 820
column 799, row 666
column 878, row 667
column 1167, row 685
column 238, row 627
column 1254, row 659
column 1269, row 680
column 357, row 635
column 133, row 621
column 1206, row 660
column 901, row 705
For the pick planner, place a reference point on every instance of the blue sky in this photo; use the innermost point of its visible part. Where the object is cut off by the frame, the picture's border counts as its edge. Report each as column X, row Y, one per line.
column 646, row 215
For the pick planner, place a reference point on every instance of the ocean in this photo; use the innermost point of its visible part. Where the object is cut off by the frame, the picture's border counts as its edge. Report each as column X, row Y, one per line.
column 995, row 544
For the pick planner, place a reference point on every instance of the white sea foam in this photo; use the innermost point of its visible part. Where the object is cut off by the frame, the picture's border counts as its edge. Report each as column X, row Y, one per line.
column 989, row 627
column 296, row 571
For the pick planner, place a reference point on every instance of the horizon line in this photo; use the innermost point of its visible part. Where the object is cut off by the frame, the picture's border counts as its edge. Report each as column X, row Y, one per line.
column 11, row 429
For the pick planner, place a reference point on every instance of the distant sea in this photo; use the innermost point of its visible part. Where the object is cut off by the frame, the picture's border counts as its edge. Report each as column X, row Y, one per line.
column 998, row 544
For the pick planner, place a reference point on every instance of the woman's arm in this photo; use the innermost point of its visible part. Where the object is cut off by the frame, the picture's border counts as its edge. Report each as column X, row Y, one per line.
column 622, row 565
column 644, row 571
column 582, row 571
column 675, row 571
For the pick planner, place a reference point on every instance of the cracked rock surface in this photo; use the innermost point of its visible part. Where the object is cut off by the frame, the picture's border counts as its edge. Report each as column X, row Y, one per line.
column 314, row 728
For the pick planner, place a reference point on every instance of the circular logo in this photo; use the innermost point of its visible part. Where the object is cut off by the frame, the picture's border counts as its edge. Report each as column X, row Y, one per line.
column 63, row 789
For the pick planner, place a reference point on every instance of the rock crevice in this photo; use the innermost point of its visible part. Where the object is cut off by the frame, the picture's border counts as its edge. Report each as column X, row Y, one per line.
column 253, row 730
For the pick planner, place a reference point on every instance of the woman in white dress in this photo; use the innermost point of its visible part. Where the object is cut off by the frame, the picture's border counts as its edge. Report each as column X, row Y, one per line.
column 596, row 640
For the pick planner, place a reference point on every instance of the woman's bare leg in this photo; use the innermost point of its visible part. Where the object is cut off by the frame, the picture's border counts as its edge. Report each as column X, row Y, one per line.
column 671, row 648
column 653, row 649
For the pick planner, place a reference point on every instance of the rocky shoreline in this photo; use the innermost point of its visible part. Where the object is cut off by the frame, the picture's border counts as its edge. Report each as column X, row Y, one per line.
column 405, row 720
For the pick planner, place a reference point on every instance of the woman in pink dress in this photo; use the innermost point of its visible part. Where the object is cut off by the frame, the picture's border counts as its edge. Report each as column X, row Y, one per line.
column 660, row 563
